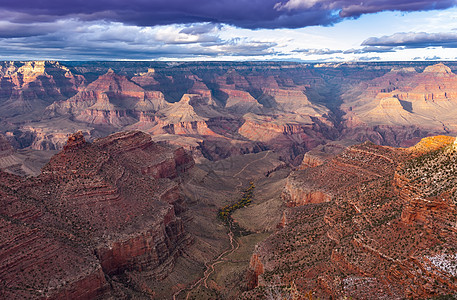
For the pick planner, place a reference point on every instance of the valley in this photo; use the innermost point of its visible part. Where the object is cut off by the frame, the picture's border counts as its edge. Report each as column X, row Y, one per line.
column 227, row 180
column 216, row 110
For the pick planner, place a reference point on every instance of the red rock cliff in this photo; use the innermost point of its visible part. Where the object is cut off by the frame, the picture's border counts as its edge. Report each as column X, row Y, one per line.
column 93, row 213
column 388, row 231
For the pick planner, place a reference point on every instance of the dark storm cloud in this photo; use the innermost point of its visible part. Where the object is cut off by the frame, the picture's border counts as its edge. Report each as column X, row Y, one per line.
column 107, row 41
column 351, row 8
column 415, row 40
column 13, row 30
column 373, row 6
column 242, row 13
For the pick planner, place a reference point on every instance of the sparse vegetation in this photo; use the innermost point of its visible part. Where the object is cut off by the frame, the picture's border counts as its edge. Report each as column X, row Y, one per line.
column 225, row 213
column 245, row 200
column 434, row 172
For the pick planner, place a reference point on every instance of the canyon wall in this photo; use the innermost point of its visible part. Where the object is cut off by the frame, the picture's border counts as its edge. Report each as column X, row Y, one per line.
column 388, row 230
column 97, row 210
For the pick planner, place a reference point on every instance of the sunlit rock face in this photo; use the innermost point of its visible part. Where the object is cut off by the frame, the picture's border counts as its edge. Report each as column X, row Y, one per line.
column 388, row 229
column 403, row 101
column 217, row 110
column 28, row 87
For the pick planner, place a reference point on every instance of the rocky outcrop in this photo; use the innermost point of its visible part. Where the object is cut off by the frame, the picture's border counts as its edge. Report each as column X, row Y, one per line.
column 241, row 101
column 287, row 107
column 109, row 100
column 28, row 87
column 255, row 270
column 146, row 79
column 295, row 195
column 425, row 184
column 393, row 135
column 323, row 153
column 36, row 262
column 51, row 136
column 405, row 100
column 439, row 68
column 98, row 210
column 5, row 147
column 21, row 162
column 154, row 249
column 286, row 134
column 388, row 231
column 191, row 128
column 9, row 162
column 267, row 128
column 152, row 102
column 294, row 100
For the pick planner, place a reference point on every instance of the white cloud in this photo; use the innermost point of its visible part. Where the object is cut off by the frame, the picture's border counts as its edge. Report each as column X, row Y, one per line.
column 95, row 40
column 296, row 4
column 415, row 40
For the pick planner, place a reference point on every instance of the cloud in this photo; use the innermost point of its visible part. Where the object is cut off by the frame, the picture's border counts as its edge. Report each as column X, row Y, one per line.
column 350, row 8
column 422, row 58
column 433, row 58
column 78, row 40
column 370, row 49
column 373, row 6
column 245, row 47
column 364, row 50
column 147, row 29
column 414, row 40
column 201, row 28
column 251, row 14
column 12, row 30
column 296, row 4
column 323, row 51
column 369, row 58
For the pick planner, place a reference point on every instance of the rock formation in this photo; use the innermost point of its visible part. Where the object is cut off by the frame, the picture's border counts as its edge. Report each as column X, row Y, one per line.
column 103, row 218
column 28, row 87
column 240, row 107
column 108, row 100
column 404, row 101
column 98, row 210
column 373, row 222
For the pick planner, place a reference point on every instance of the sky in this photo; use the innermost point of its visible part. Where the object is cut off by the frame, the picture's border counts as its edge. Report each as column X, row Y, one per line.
column 228, row 30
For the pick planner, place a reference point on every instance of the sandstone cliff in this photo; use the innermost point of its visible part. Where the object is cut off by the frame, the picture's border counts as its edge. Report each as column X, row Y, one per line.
column 388, row 230
column 28, row 87
column 110, row 100
column 97, row 211
column 401, row 100
column 242, row 106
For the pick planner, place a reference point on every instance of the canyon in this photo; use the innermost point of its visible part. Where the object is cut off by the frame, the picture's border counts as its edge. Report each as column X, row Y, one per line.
column 97, row 210
column 373, row 222
column 112, row 175
column 216, row 110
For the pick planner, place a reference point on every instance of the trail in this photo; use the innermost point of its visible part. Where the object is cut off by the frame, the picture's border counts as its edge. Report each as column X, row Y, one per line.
column 234, row 245
column 247, row 165
column 244, row 168
column 221, row 258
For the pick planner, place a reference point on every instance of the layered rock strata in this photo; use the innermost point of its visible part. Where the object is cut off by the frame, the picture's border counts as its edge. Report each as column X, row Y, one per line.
column 404, row 101
column 388, row 230
column 98, row 210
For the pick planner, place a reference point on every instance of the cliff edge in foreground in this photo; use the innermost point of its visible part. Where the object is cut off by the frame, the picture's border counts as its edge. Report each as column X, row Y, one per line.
column 97, row 211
